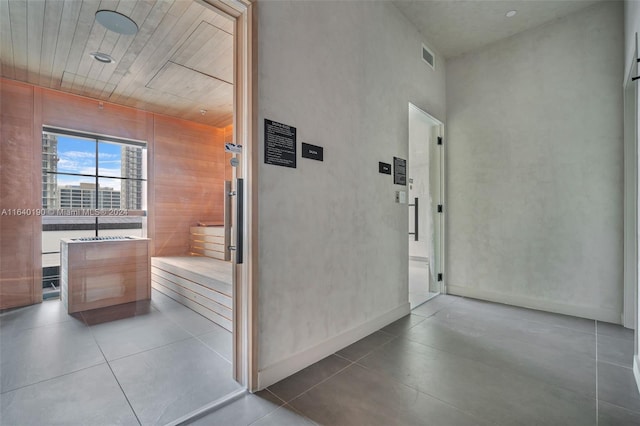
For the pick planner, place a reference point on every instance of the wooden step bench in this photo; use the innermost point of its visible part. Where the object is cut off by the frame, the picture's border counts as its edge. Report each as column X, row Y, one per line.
column 200, row 283
column 210, row 241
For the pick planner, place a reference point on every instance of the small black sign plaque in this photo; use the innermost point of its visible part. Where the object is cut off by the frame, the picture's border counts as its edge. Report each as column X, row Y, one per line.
column 399, row 171
column 279, row 144
column 384, row 168
column 312, row 151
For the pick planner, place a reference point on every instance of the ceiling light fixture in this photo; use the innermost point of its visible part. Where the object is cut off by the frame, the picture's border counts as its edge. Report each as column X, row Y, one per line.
column 102, row 57
column 116, row 22
column 511, row 13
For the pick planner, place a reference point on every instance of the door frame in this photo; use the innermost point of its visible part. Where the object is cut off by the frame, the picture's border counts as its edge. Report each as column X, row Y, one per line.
column 245, row 301
column 630, row 269
column 442, row 264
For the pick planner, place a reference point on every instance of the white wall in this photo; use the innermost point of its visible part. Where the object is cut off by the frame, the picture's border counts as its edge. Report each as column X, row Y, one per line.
column 333, row 243
column 631, row 27
column 535, row 167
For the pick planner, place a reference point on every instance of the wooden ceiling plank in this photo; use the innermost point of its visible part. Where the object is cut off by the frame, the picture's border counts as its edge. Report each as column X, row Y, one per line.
column 168, row 104
column 86, row 21
column 147, row 29
column 139, row 15
column 106, row 46
column 70, row 14
column 97, row 35
column 35, row 25
column 106, row 91
column 222, row 120
column 219, row 21
column 158, row 52
column 193, row 85
column 78, row 84
column 215, row 57
column 124, row 7
column 95, row 86
column 178, row 7
column 86, row 61
column 192, row 44
column 150, row 58
column 159, row 102
column 165, row 28
column 6, row 46
column 18, row 16
column 52, row 19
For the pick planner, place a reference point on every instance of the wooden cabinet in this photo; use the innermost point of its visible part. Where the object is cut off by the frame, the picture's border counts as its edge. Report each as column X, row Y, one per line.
column 95, row 274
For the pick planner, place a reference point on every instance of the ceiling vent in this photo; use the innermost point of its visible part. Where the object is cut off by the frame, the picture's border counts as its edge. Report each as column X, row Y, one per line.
column 428, row 57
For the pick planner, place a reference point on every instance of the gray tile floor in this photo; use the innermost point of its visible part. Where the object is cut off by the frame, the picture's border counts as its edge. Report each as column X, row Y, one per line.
column 141, row 363
column 453, row 361
column 457, row 362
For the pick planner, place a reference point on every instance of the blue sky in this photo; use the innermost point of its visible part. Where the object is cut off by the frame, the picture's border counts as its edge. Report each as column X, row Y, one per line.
column 79, row 156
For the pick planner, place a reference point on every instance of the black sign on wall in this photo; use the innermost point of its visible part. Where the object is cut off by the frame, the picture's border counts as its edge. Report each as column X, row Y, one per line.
column 399, row 171
column 313, row 152
column 384, row 168
column 279, row 144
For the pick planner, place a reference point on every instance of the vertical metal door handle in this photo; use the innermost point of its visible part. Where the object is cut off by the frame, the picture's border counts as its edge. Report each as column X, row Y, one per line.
column 239, row 220
column 415, row 219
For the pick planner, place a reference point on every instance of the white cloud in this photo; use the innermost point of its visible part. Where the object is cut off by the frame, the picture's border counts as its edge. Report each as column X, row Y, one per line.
column 80, row 155
column 107, row 155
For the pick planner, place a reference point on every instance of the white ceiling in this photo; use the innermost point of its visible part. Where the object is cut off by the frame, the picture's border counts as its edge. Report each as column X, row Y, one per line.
column 455, row 27
column 179, row 63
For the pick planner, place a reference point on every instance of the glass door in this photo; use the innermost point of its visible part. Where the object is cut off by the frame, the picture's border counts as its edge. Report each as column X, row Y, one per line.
column 425, row 205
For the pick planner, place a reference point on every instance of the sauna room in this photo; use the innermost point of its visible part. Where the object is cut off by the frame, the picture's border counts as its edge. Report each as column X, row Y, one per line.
column 114, row 193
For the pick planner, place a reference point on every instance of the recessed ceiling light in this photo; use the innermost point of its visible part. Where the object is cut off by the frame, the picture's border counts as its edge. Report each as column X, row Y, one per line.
column 102, row 57
column 511, row 13
column 116, row 22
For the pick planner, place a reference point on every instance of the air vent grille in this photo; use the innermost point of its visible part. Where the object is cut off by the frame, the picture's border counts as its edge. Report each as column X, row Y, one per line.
column 428, row 57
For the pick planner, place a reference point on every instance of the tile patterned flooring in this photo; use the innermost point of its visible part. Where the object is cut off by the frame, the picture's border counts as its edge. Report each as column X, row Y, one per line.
column 457, row 362
column 140, row 363
column 453, row 361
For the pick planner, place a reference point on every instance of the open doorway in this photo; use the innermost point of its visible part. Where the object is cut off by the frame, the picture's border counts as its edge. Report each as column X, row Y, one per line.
column 132, row 127
column 426, row 203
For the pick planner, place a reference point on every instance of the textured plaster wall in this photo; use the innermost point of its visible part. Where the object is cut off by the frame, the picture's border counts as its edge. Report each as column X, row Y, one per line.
column 631, row 27
column 333, row 246
column 535, row 167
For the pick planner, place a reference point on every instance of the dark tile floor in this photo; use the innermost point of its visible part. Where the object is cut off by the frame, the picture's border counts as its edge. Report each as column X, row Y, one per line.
column 458, row 362
column 453, row 361
column 140, row 363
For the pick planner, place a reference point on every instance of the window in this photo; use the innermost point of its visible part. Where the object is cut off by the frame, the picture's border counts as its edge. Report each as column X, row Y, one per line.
column 91, row 186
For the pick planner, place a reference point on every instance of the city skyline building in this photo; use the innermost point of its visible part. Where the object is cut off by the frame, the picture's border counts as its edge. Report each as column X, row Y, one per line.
column 131, row 167
column 49, row 169
column 83, row 196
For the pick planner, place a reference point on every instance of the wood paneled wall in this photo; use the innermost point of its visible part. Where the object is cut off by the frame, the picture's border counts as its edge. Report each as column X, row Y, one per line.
column 188, row 181
column 20, row 238
column 89, row 115
column 186, row 175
